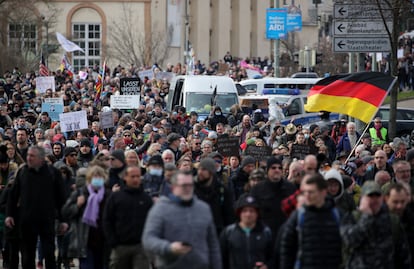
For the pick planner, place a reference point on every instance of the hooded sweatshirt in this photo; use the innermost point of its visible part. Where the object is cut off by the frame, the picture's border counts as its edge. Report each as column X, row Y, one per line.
column 343, row 200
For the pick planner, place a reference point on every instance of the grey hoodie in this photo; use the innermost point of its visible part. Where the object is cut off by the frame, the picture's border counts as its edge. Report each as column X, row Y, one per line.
column 169, row 221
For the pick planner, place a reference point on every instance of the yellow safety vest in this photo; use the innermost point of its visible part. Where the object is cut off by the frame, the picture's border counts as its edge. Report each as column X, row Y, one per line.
column 375, row 140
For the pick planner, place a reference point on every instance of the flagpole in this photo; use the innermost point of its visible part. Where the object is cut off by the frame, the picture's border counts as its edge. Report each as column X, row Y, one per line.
column 372, row 117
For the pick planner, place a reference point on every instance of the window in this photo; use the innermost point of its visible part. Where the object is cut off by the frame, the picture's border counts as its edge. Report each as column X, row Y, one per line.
column 22, row 37
column 88, row 37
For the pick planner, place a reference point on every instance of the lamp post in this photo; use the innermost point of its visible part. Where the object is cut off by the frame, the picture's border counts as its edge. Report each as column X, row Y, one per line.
column 276, row 54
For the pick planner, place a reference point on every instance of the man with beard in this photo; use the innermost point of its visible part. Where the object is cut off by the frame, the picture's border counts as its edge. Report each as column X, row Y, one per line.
column 214, row 193
column 270, row 193
column 22, row 142
column 179, row 230
column 243, row 128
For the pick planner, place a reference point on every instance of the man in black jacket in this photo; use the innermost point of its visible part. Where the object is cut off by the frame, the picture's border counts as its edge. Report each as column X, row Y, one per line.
column 37, row 194
column 310, row 237
column 270, row 193
column 214, row 193
column 247, row 243
column 124, row 218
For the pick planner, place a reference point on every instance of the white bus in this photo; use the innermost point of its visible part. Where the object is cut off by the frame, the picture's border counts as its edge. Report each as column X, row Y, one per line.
column 278, row 85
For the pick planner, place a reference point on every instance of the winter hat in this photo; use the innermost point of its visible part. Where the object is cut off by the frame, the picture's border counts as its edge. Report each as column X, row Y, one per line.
column 333, row 174
column 69, row 150
column 72, row 143
column 247, row 160
column 119, row 155
column 246, row 201
column 271, row 161
column 347, row 180
column 156, row 160
column 209, row 164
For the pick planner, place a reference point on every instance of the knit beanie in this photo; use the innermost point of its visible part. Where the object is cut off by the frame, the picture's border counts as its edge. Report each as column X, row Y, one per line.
column 209, row 164
column 271, row 161
column 119, row 155
column 247, row 160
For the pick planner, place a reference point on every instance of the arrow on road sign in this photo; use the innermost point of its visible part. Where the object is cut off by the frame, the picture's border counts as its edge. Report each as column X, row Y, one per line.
column 341, row 27
column 340, row 44
column 342, row 11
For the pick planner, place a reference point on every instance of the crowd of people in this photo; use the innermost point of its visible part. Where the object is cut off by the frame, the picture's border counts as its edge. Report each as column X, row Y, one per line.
column 157, row 191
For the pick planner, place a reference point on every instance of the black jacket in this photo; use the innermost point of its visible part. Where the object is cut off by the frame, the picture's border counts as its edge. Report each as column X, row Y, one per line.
column 240, row 251
column 39, row 194
column 316, row 236
column 270, row 196
column 220, row 201
column 124, row 216
column 239, row 181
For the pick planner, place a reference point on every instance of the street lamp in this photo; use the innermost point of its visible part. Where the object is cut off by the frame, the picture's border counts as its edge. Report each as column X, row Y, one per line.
column 46, row 24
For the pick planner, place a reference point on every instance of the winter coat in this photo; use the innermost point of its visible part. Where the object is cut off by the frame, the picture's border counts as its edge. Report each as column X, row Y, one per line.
column 270, row 195
column 242, row 251
column 81, row 235
column 170, row 220
column 124, row 216
column 315, row 236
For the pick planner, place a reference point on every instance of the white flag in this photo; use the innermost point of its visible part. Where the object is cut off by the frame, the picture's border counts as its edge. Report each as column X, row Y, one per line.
column 67, row 45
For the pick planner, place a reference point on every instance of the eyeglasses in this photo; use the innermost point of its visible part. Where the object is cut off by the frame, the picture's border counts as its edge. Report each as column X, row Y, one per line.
column 127, row 135
column 112, row 158
column 197, row 143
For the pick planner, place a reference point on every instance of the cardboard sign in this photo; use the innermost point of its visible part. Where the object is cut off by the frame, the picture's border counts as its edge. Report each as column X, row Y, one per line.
column 54, row 110
column 73, row 121
column 258, row 153
column 146, row 73
column 299, row 151
column 107, row 120
column 228, row 146
column 45, row 83
column 130, row 86
column 54, row 101
column 165, row 75
column 124, row 101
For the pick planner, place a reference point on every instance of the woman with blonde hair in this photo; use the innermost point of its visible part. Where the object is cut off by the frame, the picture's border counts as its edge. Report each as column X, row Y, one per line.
column 84, row 209
column 131, row 158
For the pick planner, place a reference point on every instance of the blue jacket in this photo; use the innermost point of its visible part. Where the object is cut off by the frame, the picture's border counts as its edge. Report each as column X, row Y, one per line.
column 344, row 145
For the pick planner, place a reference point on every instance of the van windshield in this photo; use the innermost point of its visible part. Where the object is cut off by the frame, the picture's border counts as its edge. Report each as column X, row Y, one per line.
column 201, row 102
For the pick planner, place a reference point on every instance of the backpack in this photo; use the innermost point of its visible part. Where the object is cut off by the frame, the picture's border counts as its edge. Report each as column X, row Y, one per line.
column 299, row 226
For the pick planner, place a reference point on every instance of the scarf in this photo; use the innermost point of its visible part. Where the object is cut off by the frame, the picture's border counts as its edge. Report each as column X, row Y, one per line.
column 91, row 213
column 379, row 135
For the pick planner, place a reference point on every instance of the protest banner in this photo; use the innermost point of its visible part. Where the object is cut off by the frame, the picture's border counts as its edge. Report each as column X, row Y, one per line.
column 73, row 121
column 258, row 153
column 54, row 101
column 228, row 146
column 107, row 120
column 124, row 101
column 54, row 110
column 44, row 83
column 129, row 86
column 146, row 73
column 165, row 75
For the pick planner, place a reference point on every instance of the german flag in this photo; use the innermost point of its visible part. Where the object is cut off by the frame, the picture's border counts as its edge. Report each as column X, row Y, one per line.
column 358, row 95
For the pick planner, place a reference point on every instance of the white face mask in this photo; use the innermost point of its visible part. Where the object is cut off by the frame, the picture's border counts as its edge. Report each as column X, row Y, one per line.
column 218, row 113
column 155, row 172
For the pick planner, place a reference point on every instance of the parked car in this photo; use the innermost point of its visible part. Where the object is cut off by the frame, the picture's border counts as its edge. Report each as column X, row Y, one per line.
column 305, row 75
column 405, row 119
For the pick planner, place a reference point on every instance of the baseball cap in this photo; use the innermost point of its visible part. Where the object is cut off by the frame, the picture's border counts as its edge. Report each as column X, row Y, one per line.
column 371, row 187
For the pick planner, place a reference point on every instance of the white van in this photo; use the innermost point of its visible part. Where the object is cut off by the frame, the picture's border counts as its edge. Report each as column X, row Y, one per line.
column 195, row 93
column 269, row 85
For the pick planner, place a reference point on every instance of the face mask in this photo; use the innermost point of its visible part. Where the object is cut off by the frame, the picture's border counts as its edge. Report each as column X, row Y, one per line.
column 370, row 168
column 218, row 113
column 155, row 172
column 218, row 169
column 306, row 136
column 97, row 182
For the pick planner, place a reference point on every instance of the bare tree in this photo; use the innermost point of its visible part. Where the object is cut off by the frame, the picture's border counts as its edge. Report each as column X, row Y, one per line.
column 132, row 46
column 23, row 48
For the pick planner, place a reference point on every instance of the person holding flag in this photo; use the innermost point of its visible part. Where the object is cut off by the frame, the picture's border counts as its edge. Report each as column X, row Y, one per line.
column 358, row 95
column 99, row 84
